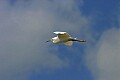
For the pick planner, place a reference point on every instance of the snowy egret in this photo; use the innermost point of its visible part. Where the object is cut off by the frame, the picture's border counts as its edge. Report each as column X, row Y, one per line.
column 65, row 38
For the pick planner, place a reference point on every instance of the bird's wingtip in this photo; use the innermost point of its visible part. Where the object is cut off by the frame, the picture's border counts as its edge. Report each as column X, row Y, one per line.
column 59, row 32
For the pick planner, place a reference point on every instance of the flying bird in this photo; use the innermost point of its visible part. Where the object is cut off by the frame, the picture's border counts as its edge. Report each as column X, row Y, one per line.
column 65, row 38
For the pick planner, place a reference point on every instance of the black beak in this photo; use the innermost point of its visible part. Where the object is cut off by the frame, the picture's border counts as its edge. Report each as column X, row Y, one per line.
column 48, row 41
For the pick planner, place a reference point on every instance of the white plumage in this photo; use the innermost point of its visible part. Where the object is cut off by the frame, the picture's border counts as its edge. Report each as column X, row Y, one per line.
column 65, row 38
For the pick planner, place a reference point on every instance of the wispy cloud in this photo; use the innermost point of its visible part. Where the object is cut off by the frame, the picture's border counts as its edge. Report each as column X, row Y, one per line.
column 104, row 58
column 25, row 25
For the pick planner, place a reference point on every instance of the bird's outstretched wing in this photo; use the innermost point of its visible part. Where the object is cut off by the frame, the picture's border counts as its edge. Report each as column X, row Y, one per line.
column 62, row 34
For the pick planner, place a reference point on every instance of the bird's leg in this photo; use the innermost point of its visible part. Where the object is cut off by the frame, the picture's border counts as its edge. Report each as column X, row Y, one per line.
column 81, row 40
column 73, row 39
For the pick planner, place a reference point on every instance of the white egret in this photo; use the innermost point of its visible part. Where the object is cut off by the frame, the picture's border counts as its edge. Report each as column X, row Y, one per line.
column 65, row 38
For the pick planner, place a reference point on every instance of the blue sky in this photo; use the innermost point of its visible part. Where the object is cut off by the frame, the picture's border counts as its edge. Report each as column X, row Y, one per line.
column 25, row 25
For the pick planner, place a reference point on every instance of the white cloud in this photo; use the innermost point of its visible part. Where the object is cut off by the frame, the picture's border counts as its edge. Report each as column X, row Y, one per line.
column 104, row 58
column 24, row 28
